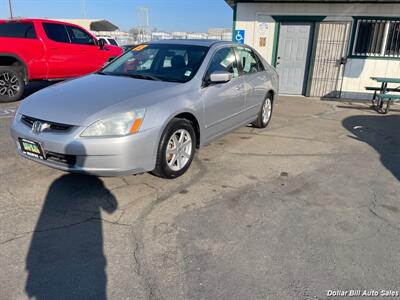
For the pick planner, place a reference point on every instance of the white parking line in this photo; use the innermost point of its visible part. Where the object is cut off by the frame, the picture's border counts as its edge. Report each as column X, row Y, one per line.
column 7, row 112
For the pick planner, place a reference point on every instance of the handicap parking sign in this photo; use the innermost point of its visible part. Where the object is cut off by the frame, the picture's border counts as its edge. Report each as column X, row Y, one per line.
column 239, row 36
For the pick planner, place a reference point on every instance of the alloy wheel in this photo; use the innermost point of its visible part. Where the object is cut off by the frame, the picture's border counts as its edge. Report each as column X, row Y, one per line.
column 179, row 150
column 9, row 84
column 266, row 110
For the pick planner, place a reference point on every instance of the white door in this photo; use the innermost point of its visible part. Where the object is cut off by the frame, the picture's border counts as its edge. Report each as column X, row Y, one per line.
column 291, row 62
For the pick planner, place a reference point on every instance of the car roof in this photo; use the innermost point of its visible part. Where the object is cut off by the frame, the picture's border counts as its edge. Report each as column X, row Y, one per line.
column 205, row 43
column 16, row 20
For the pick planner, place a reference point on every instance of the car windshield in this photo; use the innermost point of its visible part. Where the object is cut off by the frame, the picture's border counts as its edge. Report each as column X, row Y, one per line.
column 174, row 63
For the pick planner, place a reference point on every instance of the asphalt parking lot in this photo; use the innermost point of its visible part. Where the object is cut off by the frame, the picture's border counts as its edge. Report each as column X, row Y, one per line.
column 308, row 205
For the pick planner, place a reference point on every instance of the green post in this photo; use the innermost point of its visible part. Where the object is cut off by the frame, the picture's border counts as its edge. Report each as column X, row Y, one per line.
column 275, row 45
column 234, row 23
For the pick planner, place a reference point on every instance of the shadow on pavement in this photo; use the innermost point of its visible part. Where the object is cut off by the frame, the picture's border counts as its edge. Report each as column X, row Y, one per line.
column 35, row 86
column 366, row 108
column 66, row 258
column 382, row 133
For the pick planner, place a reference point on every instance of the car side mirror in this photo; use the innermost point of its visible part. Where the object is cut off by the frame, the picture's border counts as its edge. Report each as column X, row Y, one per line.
column 101, row 44
column 220, row 77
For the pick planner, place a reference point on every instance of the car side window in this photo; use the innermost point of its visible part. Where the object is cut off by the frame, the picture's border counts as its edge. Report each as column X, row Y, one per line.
column 224, row 60
column 56, row 32
column 80, row 37
column 248, row 61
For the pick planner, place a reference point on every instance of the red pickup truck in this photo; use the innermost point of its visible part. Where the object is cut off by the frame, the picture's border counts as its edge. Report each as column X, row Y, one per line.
column 36, row 49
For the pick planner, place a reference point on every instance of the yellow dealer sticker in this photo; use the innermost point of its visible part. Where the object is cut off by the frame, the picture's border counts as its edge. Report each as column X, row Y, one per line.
column 139, row 48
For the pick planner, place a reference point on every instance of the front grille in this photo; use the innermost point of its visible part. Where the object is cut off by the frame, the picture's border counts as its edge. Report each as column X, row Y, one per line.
column 68, row 160
column 28, row 121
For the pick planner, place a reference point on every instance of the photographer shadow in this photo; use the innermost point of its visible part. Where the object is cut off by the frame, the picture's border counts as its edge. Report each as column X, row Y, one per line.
column 381, row 133
column 66, row 258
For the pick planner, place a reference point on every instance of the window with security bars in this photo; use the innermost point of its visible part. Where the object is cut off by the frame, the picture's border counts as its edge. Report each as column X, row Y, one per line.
column 377, row 38
column 393, row 40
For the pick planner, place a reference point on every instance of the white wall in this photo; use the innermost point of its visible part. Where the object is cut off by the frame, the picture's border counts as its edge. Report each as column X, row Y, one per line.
column 358, row 71
column 358, row 74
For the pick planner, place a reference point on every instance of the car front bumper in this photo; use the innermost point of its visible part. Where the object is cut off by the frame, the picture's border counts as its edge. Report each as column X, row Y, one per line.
column 109, row 156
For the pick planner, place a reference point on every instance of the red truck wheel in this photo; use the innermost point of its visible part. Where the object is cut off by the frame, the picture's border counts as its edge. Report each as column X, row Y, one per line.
column 12, row 84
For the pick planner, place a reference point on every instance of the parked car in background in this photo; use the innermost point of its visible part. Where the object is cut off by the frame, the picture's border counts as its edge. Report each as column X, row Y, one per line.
column 108, row 40
column 148, row 110
column 36, row 49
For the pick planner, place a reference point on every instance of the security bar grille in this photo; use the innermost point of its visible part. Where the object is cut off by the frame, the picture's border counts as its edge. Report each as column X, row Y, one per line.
column 393, row 41
column 377, row 38
column 331, row 40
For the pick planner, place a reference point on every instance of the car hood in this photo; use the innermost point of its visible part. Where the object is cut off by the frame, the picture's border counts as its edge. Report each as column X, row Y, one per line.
column 84, row 100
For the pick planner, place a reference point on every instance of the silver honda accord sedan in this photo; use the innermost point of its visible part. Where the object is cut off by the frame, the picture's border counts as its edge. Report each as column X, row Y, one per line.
column 148, row 110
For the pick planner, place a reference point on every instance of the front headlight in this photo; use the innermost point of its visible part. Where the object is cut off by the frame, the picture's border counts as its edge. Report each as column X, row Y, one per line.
column 118, row 125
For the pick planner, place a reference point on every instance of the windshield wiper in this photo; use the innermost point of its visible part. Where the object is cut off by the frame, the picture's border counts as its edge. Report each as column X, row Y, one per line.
column 174, row 80
column 142, row 76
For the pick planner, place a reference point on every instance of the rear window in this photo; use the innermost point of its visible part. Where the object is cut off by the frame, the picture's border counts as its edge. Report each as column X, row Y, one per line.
column 24, row 30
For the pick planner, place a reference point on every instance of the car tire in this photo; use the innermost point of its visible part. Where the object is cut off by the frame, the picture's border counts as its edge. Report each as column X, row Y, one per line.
column 176, row 149
column 265, row 113
column 12, row 84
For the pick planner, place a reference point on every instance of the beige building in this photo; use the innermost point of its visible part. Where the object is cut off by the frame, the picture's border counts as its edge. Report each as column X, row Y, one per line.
column 323, row 48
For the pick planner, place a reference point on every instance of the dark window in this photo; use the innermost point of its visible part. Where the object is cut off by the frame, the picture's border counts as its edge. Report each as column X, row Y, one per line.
column 18, row 30
column 177, row 54
column 393, row 40
column 56, row 32
column 78, row 36
column 113, row 42
column 224, row 60
column 377, row 38
column 370, row 37
column 248, row 60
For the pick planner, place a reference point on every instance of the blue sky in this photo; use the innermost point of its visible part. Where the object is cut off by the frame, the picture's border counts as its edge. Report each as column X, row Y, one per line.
column 168, row 15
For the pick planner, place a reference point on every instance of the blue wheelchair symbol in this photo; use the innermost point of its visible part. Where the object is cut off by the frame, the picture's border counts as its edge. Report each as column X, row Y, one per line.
column 239, row 36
